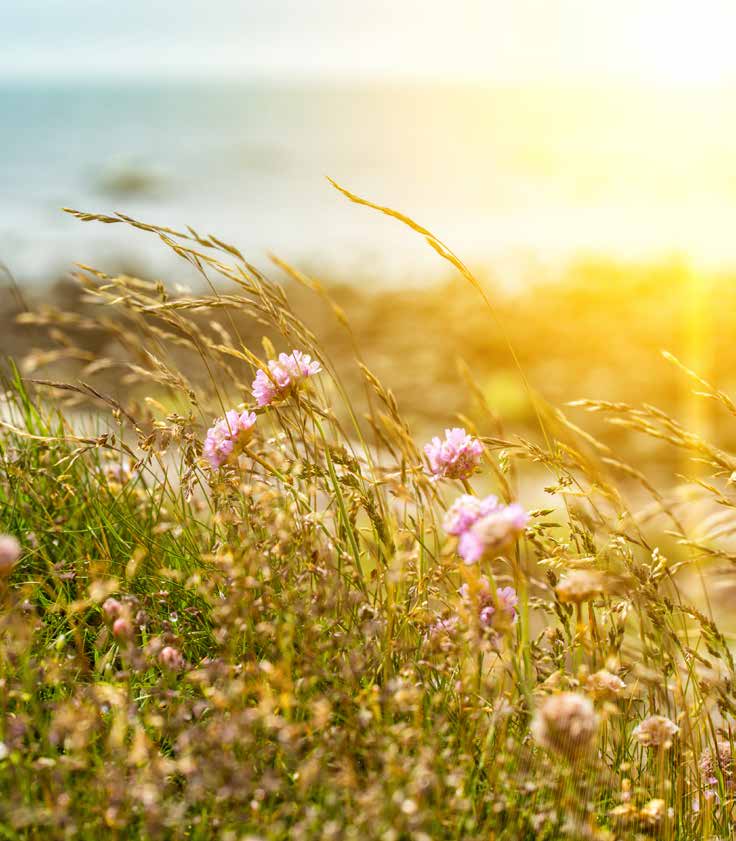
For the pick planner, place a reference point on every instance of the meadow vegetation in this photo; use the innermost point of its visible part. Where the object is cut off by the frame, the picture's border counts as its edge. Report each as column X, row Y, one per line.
column 240, row 599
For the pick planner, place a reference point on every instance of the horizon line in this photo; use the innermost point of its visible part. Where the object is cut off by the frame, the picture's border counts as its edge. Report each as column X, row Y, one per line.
column 345, row 78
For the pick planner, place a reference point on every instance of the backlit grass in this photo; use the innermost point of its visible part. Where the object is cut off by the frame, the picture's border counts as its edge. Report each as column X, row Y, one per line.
column 296, row 640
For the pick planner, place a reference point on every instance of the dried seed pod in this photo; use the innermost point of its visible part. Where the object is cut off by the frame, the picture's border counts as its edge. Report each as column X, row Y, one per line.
column 566, row 723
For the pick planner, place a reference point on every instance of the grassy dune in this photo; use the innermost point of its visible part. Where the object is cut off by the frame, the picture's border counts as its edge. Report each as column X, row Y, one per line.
column 275, row 629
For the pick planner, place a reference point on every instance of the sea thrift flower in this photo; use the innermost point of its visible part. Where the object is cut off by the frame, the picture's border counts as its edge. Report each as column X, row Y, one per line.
column 488, row 615
column 711, row 763
column 466, row 510
column 170, row 658
column 566, row 723
column 441, row 633
column 657, row 731
column 112, row 609
column 284, row 374
column 483, row 525
column 492, row 533
column 605, row 684
column 456, row 457
column 9, row 553
column 228, row 436
column 122, row 629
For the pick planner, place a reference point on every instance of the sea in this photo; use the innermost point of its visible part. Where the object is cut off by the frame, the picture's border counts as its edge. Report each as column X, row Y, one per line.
column 519, row 181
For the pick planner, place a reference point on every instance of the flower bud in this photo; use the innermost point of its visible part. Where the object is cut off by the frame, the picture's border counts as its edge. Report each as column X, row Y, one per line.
column 122, row 629
column 9, row 554
column 170, row 658
column 112, row 609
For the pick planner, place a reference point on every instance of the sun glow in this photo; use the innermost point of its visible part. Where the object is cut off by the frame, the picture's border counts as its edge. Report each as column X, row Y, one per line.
column 682, row 43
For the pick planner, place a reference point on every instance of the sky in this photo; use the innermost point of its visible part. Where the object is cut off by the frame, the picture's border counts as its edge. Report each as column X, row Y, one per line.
column 659, row 42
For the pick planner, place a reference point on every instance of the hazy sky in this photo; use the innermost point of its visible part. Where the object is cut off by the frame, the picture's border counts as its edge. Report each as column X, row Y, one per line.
column 659, row 41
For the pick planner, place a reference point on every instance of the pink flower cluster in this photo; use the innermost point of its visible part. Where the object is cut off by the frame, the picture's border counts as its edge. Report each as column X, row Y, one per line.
column 483, row 526
column 456, row 457
column 505, row 597
column 466, row 510
column 284, row 374
column 440, row 634
column 227, row 437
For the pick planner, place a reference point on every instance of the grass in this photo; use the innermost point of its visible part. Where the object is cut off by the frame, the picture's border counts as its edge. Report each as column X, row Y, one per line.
column 305, row 654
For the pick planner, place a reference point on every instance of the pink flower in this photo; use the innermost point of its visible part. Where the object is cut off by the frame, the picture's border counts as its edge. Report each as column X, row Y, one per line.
column 441, row 633
column 227, row 437
column 456, row 457
column 9, row 553
column 492, row 533
column 466, row 510
column 284, row 374
column 170, row 658
column 483, row 525
column 507, row 601
column 122, row 629
column 718, row 762
column 112, row 609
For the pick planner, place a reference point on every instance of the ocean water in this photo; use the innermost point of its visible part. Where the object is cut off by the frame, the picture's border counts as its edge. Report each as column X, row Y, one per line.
column 518, row 181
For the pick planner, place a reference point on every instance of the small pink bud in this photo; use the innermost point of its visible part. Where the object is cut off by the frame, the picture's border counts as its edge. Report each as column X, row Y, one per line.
column 122, row 629
column 9, row 554
column 112, row 609
column 170, row 658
